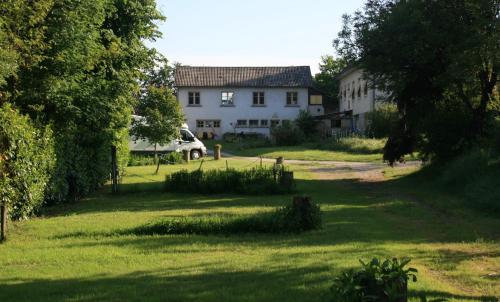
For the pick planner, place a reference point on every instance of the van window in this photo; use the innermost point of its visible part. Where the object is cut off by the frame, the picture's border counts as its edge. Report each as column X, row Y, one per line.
column 186, row 136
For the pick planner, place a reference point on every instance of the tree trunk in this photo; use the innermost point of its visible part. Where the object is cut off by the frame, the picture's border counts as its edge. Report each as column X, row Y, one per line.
column 157, row 161
column 3, row 218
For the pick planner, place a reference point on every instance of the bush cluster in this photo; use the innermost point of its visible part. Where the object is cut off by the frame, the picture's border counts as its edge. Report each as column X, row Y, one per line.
column 476, row 176
column 287, row 134
column 293, row 218
column 247, row 140
column 385, row 281
column 354, row 145
column 149, row 159
column 26, row 163
column 259, row 180
column 382, row 120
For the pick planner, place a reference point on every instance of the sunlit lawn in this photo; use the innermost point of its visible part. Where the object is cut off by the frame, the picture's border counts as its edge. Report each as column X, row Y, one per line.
column 295, row 152
column 67, row 256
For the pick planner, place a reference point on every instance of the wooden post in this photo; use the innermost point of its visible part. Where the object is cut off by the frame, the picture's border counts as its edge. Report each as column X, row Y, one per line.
column 280, row 160
column 3, row 217
column 185, row 156
column 217, row 149
column 114, row 171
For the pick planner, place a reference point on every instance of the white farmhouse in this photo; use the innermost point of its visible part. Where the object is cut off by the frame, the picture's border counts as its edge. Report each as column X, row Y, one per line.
column 356, row 98
column 217, row 100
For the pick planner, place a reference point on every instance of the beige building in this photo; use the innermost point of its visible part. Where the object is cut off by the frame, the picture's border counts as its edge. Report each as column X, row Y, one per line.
column 356, row 98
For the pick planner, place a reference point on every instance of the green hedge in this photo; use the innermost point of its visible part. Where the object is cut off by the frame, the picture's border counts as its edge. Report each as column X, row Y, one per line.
column 251, row 181
column 26, row 163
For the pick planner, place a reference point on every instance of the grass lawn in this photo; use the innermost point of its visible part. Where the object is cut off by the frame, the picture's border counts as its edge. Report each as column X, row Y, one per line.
column 70, row 253
column 295, row 152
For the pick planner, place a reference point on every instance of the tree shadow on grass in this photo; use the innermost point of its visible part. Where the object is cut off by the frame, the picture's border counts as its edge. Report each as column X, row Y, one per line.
column 294, row 284
column 432, row 294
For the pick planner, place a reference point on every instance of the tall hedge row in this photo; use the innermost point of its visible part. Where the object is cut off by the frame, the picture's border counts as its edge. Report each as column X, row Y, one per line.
column 26, row 163
column 76, row 66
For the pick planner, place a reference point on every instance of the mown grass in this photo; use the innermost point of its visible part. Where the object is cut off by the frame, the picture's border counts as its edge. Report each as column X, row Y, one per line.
column 75, row 252
column 353, row 150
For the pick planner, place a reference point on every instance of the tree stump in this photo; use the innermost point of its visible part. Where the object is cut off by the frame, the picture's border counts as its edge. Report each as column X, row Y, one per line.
column 217, row 149
column 186, row 156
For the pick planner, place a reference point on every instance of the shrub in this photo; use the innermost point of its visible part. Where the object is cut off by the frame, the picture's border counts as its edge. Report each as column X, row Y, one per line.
column 250, row 181
column 382, row 120
column 247, row 140
column 375, row 281
column 293, row 218
column 149, row 160
column 476, row 176
column 287, row 134
column 354, row 145
column 26, row 162
column 306, row 122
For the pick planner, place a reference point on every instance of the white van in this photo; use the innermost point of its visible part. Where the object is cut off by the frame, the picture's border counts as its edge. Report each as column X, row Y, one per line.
column 187, row 141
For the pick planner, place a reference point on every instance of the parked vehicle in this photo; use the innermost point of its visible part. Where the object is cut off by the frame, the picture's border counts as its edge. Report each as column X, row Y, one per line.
column 186, row 141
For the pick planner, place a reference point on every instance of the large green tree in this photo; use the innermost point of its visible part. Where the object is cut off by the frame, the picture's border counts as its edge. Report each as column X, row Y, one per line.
column 438, row 60
column 326, row 80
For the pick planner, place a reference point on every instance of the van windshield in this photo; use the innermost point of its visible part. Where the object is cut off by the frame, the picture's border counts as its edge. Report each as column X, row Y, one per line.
column 186, row 136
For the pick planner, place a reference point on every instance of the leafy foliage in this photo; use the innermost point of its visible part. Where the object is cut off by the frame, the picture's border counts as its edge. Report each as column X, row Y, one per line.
column 382, row 120
column 375, row 281
column 259, row 180
column 326, row 80
column 26, row 162
column 306, row 122
column 77, row 67
column 287, row 134
column 444, row 81
column 288, row 219
column 148, row 159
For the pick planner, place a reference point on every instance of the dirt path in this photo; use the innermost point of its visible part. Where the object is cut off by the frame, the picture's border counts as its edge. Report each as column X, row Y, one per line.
column 330, row 170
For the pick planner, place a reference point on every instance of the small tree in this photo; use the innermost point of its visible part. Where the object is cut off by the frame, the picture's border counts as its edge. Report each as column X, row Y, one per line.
column 306, row 123
column 161, row 118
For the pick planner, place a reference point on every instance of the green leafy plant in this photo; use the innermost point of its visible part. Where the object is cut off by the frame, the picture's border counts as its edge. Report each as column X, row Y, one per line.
column 258, row 180
column 385, row 281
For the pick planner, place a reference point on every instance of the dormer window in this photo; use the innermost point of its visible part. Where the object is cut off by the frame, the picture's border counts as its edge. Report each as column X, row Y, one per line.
column 193, row 98
column 227, row 98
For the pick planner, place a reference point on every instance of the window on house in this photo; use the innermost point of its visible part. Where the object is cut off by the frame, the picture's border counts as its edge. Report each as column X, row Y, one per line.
column 275, row 123
column 366, row 89
column 359, row 92
column 264, row 123
column 316, row 100
column 208, row 123
column 292, row 98
column 227, row 98
column 336, row 123
column 253, row 123
column 241, row 123
column 352, row 94
column 258, row 99
column 193, row 98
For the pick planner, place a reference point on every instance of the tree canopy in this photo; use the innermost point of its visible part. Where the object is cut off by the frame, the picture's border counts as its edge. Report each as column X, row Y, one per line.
column 326, row 80
column 439, row 62
column 76, row 65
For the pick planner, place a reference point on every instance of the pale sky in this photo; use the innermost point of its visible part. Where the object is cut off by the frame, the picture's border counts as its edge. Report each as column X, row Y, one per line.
column 250, row 32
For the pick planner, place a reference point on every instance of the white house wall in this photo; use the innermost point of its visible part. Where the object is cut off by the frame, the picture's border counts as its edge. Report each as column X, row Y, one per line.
column 210, row 107
column 360, row 105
